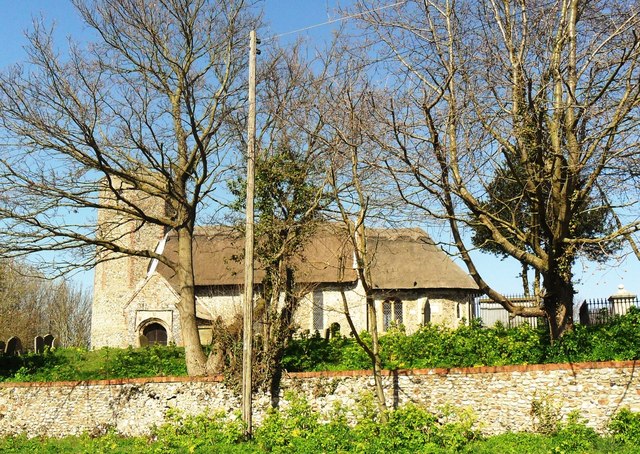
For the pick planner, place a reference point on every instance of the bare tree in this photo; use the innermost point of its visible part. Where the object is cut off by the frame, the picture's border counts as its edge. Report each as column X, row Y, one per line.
column 544, row 92
column 359, row 194
column 138, row 117
column 32, row 305
column 68, row 314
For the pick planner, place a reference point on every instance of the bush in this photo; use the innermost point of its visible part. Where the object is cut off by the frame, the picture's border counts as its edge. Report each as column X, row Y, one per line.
column 410, row 428
column 298, row 429
column 575, row 436
column 430, row 346
column 472, row 345
column 151, row 361
column 288, row 429
column 625, row 427
column 201, row 433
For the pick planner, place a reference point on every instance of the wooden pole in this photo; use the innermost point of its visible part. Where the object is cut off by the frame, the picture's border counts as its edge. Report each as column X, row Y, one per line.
column 247, row 345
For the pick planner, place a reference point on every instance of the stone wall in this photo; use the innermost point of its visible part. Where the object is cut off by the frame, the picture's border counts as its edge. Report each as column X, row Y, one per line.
column 501, row 397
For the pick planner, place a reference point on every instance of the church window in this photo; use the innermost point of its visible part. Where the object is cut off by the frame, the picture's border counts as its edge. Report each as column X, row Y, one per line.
column 318, row 312
column 392, row 311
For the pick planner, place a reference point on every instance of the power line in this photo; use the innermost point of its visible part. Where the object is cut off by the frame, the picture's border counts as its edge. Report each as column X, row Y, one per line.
column 340, row 19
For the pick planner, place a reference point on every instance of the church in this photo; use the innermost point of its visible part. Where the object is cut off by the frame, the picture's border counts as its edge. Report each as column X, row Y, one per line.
column 414, row 281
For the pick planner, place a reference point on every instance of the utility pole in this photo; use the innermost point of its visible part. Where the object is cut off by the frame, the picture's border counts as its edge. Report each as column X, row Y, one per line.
column 247, row 344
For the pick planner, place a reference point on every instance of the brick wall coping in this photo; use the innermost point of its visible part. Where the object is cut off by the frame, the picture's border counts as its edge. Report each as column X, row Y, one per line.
column 523, row 368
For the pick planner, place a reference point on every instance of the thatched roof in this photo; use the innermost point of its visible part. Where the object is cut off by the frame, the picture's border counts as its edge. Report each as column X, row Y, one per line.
column 401, row 259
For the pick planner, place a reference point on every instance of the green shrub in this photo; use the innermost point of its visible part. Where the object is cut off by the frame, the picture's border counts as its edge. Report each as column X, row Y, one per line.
column 312, row 353
column 546, row 415
column 625, row 427
column 151, row 361
column 200, row 433
column 575, row 436
column 287, row 430
column 473, row 345
column 52, row 365
column 512, row 443
column 411, row 428
column 430, row 346
column 298, row 429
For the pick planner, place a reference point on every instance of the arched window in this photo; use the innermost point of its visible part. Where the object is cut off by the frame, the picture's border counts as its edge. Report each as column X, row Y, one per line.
column 426, row 313
column 318, row 311
column 397, row 312
column 391, row 312
column 155, row 334
column 386, row 314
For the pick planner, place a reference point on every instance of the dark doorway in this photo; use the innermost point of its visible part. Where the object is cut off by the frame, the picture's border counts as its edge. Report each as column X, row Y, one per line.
column 155, row 334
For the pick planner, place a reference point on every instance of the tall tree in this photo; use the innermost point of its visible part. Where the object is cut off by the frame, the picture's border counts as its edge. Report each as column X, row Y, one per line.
column 360, row 193
column 139, row 117
column 289, row 194
column 505, row 198
column 547, row 91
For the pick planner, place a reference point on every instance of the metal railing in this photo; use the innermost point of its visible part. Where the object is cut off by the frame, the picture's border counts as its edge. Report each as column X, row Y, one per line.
column 588, row 312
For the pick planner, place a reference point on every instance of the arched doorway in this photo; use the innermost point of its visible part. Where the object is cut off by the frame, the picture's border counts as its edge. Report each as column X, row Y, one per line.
column 155, row 334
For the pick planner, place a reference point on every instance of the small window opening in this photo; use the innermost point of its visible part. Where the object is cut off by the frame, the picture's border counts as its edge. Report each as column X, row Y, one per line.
column 426, row 313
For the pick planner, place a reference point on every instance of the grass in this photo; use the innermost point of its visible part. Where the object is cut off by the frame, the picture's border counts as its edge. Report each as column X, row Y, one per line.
column 72, row 364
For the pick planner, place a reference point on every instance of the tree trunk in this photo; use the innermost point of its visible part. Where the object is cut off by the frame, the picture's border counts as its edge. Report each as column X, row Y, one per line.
column 372, row 352
column 280, row 337
column 525, row 280
column 195, row 358
column 558, row 305
column 377, row 363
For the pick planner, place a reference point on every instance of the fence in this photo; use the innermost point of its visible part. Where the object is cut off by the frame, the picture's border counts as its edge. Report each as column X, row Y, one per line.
column 589, row 312
column 598, row 311
column 491, row 312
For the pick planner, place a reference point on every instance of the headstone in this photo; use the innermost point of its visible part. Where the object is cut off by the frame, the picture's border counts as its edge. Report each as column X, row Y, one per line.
column 38, row 345
column 50, row 341
column 584, row 314
column 334, row 328
column 14, row 346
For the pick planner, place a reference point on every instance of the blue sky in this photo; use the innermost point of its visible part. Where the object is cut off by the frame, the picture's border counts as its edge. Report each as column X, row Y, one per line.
column 282, row 16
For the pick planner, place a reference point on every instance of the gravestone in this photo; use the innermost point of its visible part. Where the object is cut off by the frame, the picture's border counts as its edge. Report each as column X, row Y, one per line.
column 50, row 341
column 14, row 346
column 584, row 314
column 38, row 344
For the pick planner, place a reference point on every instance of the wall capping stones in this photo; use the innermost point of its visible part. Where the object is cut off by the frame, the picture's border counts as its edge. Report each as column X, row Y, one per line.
column 336, row 374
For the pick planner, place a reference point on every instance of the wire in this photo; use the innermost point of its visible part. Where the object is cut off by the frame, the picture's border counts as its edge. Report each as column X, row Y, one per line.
column 332, row 21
